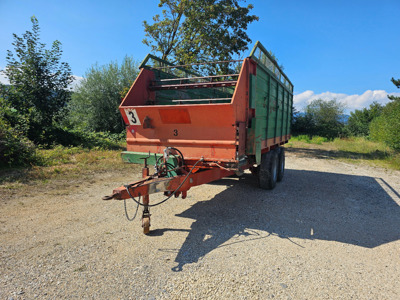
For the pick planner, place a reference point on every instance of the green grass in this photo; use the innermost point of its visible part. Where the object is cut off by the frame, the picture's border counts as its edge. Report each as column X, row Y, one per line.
column 354, row 150
column 63, row 162
column 318, row 140
column 75, row 162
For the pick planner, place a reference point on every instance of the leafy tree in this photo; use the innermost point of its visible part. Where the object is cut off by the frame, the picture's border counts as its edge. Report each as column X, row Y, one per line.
column 386, row 127
column 94, row 105
column 192, row 31
column 302, row 124
column 39, row 82
column 360, row 120
column 397, row 84
column 326, row 117
column 15, row 148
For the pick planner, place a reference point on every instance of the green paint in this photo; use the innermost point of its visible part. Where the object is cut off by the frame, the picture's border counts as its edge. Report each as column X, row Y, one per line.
column 137, row 158
column 271, row 94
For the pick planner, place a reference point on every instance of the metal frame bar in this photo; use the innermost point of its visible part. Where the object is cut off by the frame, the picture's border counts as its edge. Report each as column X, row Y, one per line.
column 169, row 184
column 191, row 78
column 193, row 85
column 197, row 64
column 262, row 48
column 200, row 100
column 150, row 56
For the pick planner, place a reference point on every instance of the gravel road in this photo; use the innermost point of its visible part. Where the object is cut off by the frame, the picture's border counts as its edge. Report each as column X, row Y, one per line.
column 329, row 230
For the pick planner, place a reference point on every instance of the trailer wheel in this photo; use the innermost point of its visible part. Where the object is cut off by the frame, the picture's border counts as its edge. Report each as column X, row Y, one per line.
column 281, row 164
column 268, row 170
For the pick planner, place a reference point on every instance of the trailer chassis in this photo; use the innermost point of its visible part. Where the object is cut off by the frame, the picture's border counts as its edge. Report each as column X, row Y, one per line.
column 188, row 174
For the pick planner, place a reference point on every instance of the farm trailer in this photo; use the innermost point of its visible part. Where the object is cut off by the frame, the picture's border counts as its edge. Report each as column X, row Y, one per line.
column 196, row 128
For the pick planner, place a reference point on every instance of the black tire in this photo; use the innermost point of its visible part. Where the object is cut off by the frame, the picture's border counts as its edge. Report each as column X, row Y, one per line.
column 268, row 170
column 281, row 164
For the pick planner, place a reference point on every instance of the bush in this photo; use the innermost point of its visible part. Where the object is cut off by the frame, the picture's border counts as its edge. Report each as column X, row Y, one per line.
column 321, row 117
column 86, row 139
column 360, row 120
column 94, row 105
column 303, row 138
column 302, row 124
column 15, row 148
column 386, row 127
column 318, row 140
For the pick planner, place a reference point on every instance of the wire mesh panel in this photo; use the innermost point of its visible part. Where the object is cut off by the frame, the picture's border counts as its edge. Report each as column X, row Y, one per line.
column 200, row 83
column 263, row 57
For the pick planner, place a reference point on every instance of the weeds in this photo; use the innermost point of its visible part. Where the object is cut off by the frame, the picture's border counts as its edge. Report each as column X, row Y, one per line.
column 353, row 150
column 63, row 162
column 318, row 140
column 75, row 162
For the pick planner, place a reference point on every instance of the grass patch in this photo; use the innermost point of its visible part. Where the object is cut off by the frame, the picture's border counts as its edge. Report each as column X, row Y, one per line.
column 75, row 162
column 317, row 140
column 353, row 150
column 63, row 162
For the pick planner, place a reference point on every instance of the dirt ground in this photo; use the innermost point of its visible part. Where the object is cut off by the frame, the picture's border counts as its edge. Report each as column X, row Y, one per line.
column 329, row 230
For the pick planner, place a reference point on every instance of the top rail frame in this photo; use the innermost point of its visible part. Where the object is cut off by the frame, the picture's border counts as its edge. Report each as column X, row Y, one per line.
column 276, row 70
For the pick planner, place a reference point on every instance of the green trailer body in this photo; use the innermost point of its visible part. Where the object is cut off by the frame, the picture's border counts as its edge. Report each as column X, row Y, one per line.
column 271, row 95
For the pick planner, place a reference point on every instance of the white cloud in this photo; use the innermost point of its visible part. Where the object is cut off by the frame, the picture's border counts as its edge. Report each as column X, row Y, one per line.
column 76, row 82
column 352, row 101
column 3, row 78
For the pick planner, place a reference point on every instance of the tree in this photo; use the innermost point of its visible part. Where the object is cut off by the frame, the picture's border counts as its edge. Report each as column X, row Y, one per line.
column 397, row 84
column 38, row 82
column 386, row 127
column 94, row 105
column 360, row 120
column 326, row 116
column 15, row 148
column 302, row 123
column 192, row 31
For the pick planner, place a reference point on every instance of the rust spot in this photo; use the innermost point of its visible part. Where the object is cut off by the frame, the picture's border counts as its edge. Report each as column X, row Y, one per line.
column 147, row 123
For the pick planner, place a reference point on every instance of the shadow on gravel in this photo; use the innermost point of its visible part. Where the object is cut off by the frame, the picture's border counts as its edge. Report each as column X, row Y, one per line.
column 326, row 154
column 306, row 204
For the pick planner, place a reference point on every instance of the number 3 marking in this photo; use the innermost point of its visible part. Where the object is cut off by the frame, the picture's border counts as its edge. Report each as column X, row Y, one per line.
column 132, row 116
column 133, row 119
column 175, row 132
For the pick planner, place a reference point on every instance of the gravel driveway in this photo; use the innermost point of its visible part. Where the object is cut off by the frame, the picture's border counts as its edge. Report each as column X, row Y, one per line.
column 329, row 230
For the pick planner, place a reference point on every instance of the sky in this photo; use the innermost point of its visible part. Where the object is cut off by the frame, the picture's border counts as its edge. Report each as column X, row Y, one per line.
column 334, row 49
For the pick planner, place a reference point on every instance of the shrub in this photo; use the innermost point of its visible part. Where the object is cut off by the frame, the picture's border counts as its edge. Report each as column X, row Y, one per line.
column 15, row 148
column 94, row 105
column 83, row 138
column 360, row 120
column 319, row 140
column 303, row 138
column 386, row 127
